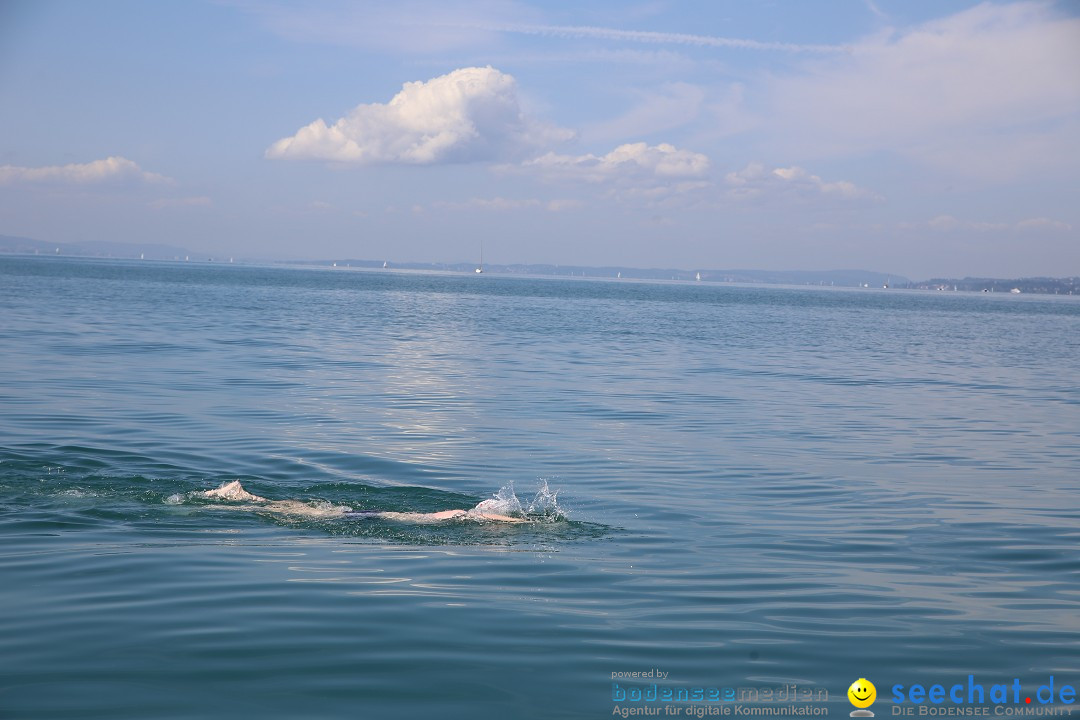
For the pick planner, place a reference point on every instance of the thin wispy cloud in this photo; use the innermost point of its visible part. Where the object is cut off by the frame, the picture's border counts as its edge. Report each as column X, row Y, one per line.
column 110, row 169
column 503, row 204
column 872, row 7
column 755, row 181
column 182, row 202
column 423, row 26
column 495, row 204
column 630, row 162
column 949, row 223
column 663, row 174
column 636, row 174
column 989, row 92
column 661, row 38
column 672, row 106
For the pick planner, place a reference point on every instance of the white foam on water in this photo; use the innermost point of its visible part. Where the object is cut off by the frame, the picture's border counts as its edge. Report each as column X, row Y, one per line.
column 76, row 493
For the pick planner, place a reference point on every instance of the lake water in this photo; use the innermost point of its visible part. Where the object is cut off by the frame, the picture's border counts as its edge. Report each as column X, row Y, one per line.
column 757, row 487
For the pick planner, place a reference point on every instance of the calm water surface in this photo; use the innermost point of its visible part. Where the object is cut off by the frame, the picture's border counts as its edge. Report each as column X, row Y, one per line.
column 756, row 487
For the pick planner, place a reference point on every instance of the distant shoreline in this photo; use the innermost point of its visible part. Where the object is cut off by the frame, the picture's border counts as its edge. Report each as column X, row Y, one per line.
column 822, row 278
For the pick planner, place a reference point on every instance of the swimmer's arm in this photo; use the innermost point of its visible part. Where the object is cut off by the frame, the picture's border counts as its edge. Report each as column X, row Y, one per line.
column 496, row 516
column 422, row 517
column 449, row 515
column 297, row 508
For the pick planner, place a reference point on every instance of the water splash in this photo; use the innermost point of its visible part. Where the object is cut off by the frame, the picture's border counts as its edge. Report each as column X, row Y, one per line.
column 545, row 503
column 543, row 506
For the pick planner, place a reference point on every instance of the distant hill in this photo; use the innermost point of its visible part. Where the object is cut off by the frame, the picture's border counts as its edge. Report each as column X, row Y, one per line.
column 151, row 251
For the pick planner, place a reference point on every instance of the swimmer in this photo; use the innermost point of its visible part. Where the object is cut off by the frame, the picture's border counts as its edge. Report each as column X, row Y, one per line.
column 235, row 492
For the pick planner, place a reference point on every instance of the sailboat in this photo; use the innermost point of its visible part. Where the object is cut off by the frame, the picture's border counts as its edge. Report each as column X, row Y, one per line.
column 698, row 277
column 481, row 268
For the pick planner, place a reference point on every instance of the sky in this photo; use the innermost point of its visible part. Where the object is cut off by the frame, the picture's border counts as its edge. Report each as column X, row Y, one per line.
column 921, row 138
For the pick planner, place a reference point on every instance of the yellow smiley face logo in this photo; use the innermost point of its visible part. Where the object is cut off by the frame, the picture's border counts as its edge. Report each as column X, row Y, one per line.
column 862, row 693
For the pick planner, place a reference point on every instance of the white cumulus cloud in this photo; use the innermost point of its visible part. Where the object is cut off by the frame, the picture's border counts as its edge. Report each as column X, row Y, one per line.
column 472, row 114
column 111, row 169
